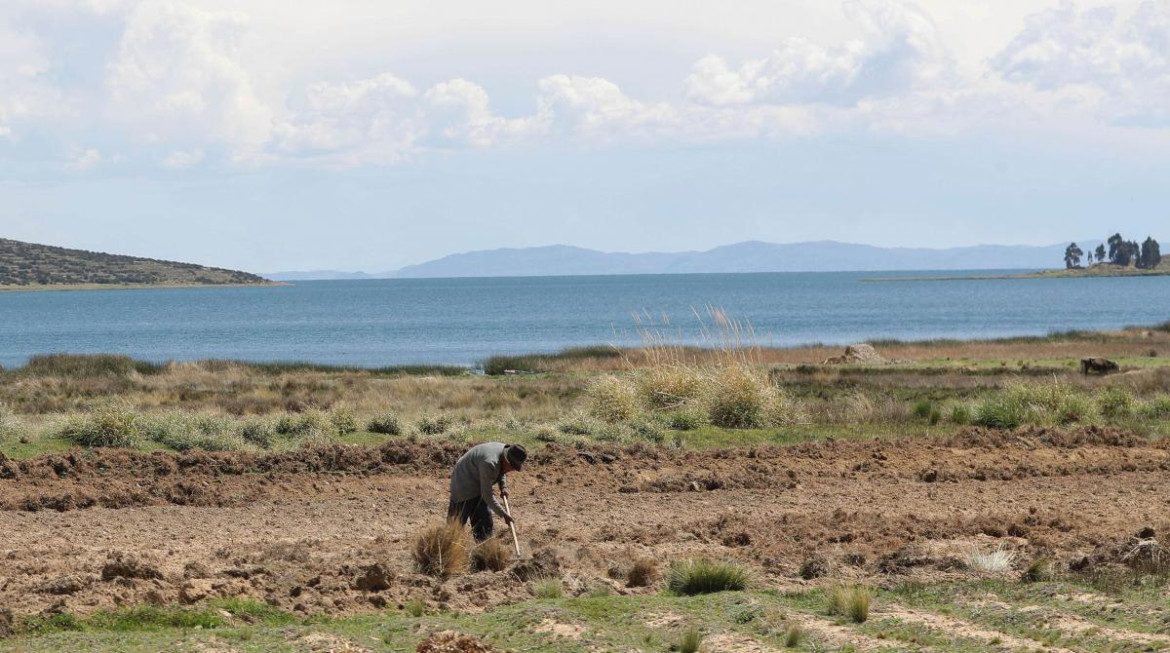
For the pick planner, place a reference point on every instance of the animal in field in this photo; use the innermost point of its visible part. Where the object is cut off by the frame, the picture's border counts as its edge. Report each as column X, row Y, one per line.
column 1098, row 366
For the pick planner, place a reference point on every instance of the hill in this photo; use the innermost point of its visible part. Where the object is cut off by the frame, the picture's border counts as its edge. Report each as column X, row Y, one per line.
column 752, row 256
column 31, row 265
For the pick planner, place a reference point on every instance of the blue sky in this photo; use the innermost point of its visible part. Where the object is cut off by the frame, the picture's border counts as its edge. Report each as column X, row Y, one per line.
column 370, row 135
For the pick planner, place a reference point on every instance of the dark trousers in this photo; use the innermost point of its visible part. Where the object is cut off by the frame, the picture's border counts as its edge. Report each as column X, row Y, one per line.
column 475, row 511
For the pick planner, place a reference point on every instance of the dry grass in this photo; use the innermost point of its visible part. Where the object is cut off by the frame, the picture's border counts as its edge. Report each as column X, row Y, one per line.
column 642, row 573
column 852, row 602
column 441, row 550
column 492, row 554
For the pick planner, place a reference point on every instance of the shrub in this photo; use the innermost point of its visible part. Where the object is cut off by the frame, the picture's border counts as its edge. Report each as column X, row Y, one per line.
column 491, row 554
column 577, row 424
column 10, row 426
column 343, row 420
column 992, row 562
column 851, row 602
column 648, row 430
column 415, row 607
column 258, row 431
column 922, row 409
column 547, row 588
column 311, row 424
column 1050, row 403
column 1158, row 408
column 687, row 418
column 642, row 573
column 691, row 641
column 960, row 414
column 87, row 365
column 1038, row 570
column 703, row 576
column 794, row 636
column 434, row 424
column 741, row 398
column 183, row 431
column 669, row 386
column 440, row 550
column 387, row 424
column 612, row 399
column 111, row 425
column 1115, row 402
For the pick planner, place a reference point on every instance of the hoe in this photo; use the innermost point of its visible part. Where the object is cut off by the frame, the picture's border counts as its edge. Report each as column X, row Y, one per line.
column 512, row 525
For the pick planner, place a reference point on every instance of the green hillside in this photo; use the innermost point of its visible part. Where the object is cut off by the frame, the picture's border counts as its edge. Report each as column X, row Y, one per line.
column 31, row 265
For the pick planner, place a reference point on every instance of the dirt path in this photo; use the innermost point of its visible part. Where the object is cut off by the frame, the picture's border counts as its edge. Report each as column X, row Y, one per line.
column 300, row 530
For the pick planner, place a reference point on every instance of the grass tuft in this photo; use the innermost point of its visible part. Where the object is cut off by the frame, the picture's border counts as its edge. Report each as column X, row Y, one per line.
column 704, row 576
column 111, row 425
column 991, row 562
column 387, row 424
column 491, row 554
column 691, row 641
column 642, row 573
column 547, row 588
column 852, row 602
column 441, row 550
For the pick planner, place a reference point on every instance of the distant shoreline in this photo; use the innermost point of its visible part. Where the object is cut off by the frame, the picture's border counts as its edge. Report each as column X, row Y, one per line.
column 71, row 287
column 1091, row 273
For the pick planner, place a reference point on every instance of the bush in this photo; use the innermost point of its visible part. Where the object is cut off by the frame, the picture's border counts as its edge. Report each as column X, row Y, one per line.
column 577, row 424
column 344, row 421
column 691, row 642
column 491, row 554
column 851, row 602
column 669, row 386
column 434, row 424
column 961, row 414
column 794, row 636
column 1115, row 402
column 111, row 425
column 311, row 426
column 1158, row 408
column 258, row 431
column 1048, row 404
column 10, row 425
column 547, row 588
column 612, row 399
column 183, row 431
column 87, row 365
column 387, row 424
column 741, row 398
column 703, row 576
column 687, row 418
column 1038, row 570
column 922, row 409
column 649, row 431
column 441, row 550
column 642, row 573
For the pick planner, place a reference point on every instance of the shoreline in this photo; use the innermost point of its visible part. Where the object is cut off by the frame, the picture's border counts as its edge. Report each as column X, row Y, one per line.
column 1043, row 274
column 75, row 287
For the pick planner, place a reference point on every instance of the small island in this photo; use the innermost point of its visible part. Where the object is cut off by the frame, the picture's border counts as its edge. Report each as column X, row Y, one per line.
column 1116, row 257
column 29, row 266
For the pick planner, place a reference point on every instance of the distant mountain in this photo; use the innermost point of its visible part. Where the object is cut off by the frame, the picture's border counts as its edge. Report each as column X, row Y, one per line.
column 752, row 256
column 29, row 264
column 317, row 275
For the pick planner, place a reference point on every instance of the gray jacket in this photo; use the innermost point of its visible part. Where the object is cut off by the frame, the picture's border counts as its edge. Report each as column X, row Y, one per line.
column 475, row 474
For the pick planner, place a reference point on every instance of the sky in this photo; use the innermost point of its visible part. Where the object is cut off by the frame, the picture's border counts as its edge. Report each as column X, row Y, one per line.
column 371, row 134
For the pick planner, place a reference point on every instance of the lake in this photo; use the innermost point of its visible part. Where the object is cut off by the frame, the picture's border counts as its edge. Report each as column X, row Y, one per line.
column 462, row 321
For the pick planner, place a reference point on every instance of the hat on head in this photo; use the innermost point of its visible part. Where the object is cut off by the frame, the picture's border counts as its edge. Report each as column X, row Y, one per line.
column 516, row 455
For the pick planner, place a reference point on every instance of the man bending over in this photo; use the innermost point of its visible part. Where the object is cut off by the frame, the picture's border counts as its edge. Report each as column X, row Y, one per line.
column 472, row 499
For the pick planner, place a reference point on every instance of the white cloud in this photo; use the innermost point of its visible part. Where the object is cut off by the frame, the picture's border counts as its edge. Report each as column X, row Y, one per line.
column 85, row 159
column 1125, row 59
column 183, row 158
column 901, row 51
column 177, row 76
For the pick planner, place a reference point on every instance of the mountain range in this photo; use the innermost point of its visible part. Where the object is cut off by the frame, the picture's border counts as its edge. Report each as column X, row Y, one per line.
column 750, row 256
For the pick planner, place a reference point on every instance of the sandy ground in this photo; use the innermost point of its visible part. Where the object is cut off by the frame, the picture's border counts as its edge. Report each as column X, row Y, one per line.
column 328, row 530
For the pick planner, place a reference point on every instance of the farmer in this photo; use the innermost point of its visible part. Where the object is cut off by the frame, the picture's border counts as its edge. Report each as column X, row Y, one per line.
column 483, row 466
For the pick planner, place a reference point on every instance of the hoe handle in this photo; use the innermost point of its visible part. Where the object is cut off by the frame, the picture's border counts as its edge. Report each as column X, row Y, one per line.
column 512, row 525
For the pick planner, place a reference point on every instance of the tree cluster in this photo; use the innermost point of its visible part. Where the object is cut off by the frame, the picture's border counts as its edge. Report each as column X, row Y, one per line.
column 1122, row 252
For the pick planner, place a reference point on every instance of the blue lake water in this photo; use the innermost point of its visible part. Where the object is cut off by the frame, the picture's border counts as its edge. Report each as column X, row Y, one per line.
column 461, row 321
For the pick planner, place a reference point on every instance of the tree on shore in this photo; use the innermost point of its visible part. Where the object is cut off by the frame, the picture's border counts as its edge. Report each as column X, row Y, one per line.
column 1151, row 254
column 1116, row 244
column 1072, row 256
column 1101, row 253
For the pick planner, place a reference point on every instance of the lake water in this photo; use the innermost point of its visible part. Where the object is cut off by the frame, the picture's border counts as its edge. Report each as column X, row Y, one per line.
column 461, row 321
